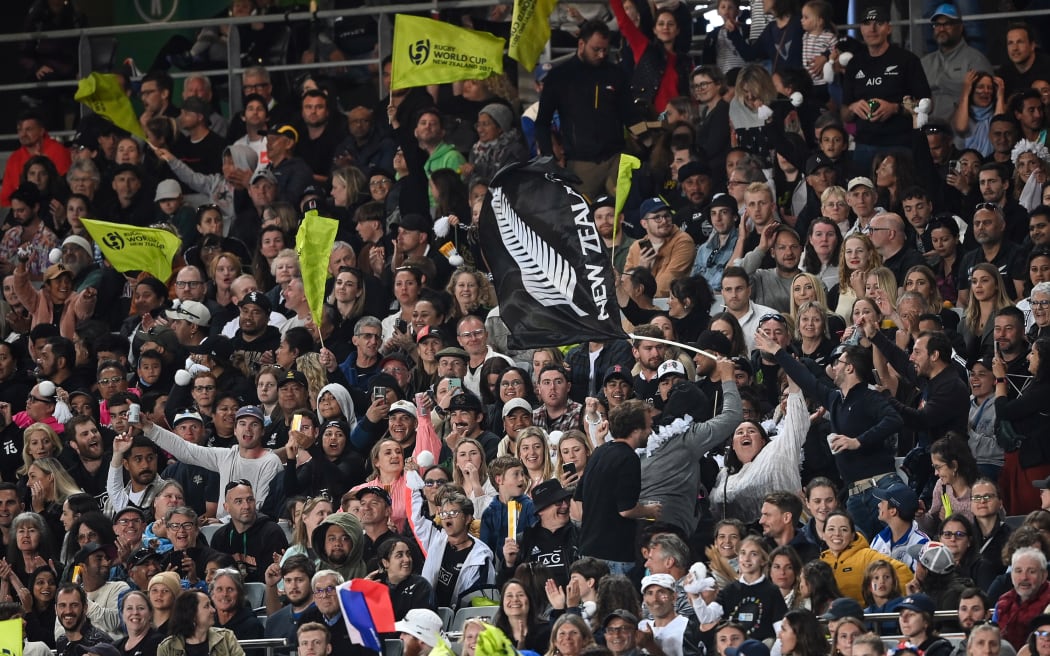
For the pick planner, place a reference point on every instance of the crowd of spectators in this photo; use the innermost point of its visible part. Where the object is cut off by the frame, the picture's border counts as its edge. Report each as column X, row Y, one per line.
column 854, row 236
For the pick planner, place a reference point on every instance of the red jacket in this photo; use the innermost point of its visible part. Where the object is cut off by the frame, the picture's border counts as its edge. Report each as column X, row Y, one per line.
column 1016, row 615
column 50, row 148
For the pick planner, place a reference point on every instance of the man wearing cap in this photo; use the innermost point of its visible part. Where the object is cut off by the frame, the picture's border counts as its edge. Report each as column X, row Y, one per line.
column 551, row 541
column 414, row 237
column 675, row 634
column 248, row 460
column 317, row 144
column 292, row 394
column 202, row 149
column 860, row 196
column 694, row 180
column 189, row 320
column 897, row 507
column 78, row 258
column 131, row 204
column 618, row 385
column 665, row 250
column 201, row 485
column 1026, row 63
column 606, row 223
column 401, row 425
column 374, row 514
column 102, row 593
column 142, row 566
column 420, row 631
column 953, row 64
column 715, row 253
column 589, row 361
column 255, row 336
column 465, row 417
column 29, row 234
column 139, row 457
column 291, row 172
column 874, row 86
column 251, row 537
column 517, row 416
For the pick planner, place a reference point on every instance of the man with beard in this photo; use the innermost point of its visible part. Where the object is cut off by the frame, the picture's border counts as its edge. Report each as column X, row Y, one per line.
column 85, row 439
column 103, row 594
column 140, row 458
column 772, row 287
column 465, row 416
column 190, row 320
column 296, row 572
column 142, row 566
column 649, row 355
column 1026, row 599
column 339, row 543
column 77, row 631
column 33, row 140
column 248, row 460
column 374, row 516
column 251, row 538
column 57, row 361
column 948, row 67
column 694, row 181
column 714, row 254
column 366, row 146
column 550, row 542
column 317, row 144
column 988, row 227
column 996, row 187
column 707, row 377
column 291, row 173
column 202, row 149
column 890, row 240
column 29, row 233
column 255, row 336
column 666, row 251
column 606, row 222
column 675, row 633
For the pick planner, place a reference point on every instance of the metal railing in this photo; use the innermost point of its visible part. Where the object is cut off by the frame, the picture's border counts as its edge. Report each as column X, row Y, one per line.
column 267, row 645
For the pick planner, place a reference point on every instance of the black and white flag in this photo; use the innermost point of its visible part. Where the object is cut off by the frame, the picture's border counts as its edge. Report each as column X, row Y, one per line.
column 552, row 273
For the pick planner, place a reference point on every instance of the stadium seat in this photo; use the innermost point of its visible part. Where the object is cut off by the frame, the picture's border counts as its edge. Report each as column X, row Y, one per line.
column 464, row 614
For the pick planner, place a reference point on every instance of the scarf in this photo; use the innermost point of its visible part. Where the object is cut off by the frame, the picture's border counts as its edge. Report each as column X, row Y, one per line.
column 978, row 137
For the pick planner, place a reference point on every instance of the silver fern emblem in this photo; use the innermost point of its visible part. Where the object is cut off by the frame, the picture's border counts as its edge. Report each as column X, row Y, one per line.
column 546, row 276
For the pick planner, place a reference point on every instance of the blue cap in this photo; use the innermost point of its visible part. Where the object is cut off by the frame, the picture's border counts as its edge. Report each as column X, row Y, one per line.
column 653, row 205
column 748, row 648
column 900, row 496
column 948, row 10
column 919, row 603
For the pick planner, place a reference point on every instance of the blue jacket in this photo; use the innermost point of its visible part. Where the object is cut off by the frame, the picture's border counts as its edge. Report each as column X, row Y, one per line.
column 494, row 522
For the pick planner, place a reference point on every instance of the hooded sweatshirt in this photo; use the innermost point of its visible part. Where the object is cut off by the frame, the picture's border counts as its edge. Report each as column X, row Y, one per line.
column 215, row 186
column 342, row 397
column 354, row 565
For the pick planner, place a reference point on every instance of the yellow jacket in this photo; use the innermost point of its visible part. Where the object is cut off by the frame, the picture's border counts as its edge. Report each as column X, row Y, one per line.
column 850, row 565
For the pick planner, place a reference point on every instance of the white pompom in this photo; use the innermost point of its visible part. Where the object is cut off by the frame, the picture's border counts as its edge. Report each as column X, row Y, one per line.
column 764, row 113
column 54, row 256
column 829, row 72
column 46, row 388
column 441, row 226
column 924, row 106
column 456, row 260
column 699, row 571
column 796, row 99
column 845, row 58
column 425, row 459
column 589, row 608
column 183, row 378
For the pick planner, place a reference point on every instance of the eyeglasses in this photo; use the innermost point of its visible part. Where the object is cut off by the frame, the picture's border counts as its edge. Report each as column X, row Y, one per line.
column 519, row 383
column 472, row 334
column 871, row 229
column 958, row 535
column 661, row 216
column 249, row 88
column 449, row 514
column 1039, row 304
column 380, row 183
column 435, row 483
column 733, row 183
column 110, row 381
column 128, row 521
column 183, row 284
column 32, row 398
column 184, row 526
column 375, row 336
column 324, row 592
column 1041, row 634
column 203, row 388
column 981, row 498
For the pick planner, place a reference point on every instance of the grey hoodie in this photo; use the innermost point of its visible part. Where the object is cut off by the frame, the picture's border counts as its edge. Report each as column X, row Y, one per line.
column 342, row 397
column 214, row 185
column 354, row 566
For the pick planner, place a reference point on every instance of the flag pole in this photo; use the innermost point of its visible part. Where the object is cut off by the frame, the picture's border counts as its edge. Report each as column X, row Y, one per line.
column 702, row 352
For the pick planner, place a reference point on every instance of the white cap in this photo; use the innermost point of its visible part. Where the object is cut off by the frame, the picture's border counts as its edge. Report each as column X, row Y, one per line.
column 860, row 181
column 166, row 190
column 186, row 415
column 421, row 623
column 670, row 367
column 662, row 580
column 516, row 404
column 402, row 406
column 78, row 241
column 192, row 311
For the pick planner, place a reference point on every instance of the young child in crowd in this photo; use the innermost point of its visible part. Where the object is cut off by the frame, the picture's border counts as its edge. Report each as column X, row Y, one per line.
column 818, row 38
column 509, row 477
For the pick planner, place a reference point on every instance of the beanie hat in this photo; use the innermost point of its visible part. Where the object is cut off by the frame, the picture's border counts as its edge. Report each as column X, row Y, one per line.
column 501, row 114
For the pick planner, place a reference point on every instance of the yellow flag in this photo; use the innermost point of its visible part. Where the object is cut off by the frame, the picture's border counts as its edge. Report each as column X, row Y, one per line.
column 313, row 243
column 530, row 29
column 103, row 94
column 431, row 52
column 628, row 163
column 130, row 248
column 11, row 637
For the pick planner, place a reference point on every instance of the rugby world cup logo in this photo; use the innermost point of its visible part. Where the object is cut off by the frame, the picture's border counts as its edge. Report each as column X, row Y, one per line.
column 419, row 52
column 113, row 240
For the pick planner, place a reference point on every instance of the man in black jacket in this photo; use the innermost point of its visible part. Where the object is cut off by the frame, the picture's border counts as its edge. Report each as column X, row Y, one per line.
column 862, row 422
column 593, row 101
column 552, row 541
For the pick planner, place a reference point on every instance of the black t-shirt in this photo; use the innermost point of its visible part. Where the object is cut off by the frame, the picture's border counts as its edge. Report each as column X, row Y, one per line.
column 611, row 484
column 755, row 606
column 645, row 389
column 451, row 566
column 204, row 156
column 1009, row 260
column 891, row 76
column 253, row 350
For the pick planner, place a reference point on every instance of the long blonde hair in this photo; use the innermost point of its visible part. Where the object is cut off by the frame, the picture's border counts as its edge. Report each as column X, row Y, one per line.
column 818, row 286
column 299, row 536
column 316, row 377
column 483, row 470
column 64, row 483
column 548, row 466
column 35, row 428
